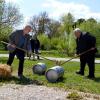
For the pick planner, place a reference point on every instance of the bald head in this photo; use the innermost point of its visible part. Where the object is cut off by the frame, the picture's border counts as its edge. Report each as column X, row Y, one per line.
column 77, row 32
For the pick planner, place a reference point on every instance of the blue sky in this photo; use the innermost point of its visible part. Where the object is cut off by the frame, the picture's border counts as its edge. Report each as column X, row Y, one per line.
column 56, row 8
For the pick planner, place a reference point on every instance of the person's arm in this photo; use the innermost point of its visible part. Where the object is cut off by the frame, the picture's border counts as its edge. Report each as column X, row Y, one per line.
column 38, row 44
column 29, row 44
column 12, row 39
column 77, row 51
column 11, row 46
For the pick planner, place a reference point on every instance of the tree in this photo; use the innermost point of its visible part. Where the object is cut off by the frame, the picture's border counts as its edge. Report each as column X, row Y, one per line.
column 92, row 20
column 9, row 18
column 1, row 9
column 34, row 22
column 43, row 20
column 10, row 15
column 67, row 22
column 80, row 21
column 39, row 22
column 53, row 28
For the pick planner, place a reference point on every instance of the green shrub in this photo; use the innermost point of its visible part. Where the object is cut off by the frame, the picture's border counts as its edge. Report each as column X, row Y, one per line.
column 2, row 47
column 61, row 44
column 45, row 42
column 54, row 43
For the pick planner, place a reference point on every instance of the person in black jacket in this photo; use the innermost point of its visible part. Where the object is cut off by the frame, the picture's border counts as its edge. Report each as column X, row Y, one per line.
column 84, row 42
column 35, row 45
column 20, row 39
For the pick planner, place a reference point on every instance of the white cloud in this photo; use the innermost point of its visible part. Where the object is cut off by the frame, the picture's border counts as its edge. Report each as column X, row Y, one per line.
column 78, row 10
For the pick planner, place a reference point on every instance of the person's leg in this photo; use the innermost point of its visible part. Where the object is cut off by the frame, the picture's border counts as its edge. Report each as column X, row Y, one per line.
column 82, row 65
column 36, row 51
column 29, row 55
column 11, row 58
column 20, row 54
column 33, row 54
column 91, row 65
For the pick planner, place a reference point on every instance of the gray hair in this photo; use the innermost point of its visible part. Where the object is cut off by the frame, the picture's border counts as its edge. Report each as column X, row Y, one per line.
column 77, row 30
column 28, row 26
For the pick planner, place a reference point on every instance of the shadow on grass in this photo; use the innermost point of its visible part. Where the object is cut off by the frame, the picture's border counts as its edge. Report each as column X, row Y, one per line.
column 23, row 81
column 60, row 80
column 97, row 79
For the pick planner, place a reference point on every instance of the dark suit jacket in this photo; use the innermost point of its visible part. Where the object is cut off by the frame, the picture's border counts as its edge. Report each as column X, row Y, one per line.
column 85, row 42
column 14, row 38
column 35, row 44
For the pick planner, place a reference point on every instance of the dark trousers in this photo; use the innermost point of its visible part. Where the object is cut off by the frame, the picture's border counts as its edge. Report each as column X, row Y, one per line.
column 36, row 51
column 90, row 60
column 20, row 55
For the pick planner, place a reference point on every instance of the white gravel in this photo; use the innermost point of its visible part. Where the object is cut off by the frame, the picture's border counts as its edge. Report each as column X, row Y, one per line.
column 30, row 92
column 34, row 92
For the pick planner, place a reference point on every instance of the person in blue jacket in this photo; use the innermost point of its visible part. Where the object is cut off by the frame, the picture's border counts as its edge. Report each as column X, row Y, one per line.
column 21, row 39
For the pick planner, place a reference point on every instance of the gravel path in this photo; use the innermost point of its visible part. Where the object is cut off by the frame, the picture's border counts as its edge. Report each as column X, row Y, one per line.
column 34, row 92
column 30, row 92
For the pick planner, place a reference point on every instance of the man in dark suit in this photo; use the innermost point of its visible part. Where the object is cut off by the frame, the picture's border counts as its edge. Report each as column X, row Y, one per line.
column 84, row 42
column 21, row 39
column 35, row 45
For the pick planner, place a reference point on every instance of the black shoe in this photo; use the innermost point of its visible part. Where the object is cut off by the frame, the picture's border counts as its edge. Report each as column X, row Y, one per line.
column 90, row 77
column 80, row 73
column 38, row 58
column 20, row 76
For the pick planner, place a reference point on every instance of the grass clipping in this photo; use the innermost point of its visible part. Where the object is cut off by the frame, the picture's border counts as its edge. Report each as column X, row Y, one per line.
column 74, row 96
column 5, row 71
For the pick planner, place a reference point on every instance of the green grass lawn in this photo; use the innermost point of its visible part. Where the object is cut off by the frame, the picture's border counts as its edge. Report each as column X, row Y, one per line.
column 69, row 81
column 53, row 53
column 3, row 52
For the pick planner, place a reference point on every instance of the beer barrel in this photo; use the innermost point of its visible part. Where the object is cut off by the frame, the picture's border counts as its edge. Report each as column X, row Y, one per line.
column 54, row 73
column 39, row 68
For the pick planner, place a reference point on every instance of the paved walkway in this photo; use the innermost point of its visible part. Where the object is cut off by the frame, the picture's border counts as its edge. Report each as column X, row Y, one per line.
column 73, row 60
column 54, row 58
